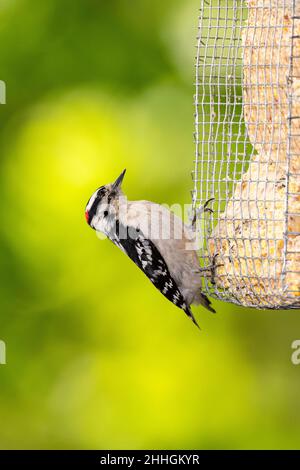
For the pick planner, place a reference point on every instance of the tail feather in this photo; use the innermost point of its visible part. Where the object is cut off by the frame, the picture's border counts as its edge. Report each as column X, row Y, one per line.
column 189, row 313
column 207, row 304
column 201, row 299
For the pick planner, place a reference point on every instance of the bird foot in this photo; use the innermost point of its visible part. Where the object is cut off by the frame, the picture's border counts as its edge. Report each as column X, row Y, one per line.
column 201, row 210
column 211, row 268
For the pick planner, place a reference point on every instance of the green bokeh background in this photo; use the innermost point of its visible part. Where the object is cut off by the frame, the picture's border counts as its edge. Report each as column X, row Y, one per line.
column 96, row 357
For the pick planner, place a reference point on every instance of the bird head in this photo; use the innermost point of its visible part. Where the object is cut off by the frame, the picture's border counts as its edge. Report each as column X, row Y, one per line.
column 103, row 204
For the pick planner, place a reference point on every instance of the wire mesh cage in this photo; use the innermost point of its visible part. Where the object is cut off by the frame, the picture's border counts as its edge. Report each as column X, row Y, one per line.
column 247, row 134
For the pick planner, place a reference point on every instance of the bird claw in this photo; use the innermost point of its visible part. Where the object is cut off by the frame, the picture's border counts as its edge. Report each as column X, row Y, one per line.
column 214, row 267
column 211, row 268
column 208, row 209
column 200, row 210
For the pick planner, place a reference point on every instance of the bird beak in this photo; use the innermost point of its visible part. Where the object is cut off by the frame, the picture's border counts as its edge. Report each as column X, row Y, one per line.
column 118, row 181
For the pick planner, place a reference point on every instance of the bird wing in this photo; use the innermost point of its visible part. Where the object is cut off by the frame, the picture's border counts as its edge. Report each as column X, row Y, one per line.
column 173, row 239
column 147, row 257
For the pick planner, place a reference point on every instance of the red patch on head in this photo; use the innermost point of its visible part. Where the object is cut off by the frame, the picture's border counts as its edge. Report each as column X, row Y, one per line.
column 87, row 216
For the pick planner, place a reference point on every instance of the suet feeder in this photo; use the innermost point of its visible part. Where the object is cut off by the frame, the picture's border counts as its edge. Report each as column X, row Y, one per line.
column 247, row 133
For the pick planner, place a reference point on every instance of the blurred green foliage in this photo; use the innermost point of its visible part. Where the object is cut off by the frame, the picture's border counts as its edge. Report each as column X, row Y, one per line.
column 96, row 357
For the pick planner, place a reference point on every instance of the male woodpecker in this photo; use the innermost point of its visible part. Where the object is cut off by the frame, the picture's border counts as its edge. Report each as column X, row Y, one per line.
column 159, row 243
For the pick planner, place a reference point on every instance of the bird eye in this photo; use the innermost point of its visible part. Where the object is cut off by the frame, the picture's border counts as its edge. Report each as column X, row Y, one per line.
column 105, row 213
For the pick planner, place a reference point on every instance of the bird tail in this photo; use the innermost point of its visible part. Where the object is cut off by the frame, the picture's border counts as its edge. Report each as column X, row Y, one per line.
column 201, row 299
column 191, row 316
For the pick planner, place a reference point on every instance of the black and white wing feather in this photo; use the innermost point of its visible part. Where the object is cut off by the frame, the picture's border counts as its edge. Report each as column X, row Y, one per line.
column 147, row 257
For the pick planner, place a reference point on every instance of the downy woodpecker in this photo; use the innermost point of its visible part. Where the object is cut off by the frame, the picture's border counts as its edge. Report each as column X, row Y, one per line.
column 159, row 243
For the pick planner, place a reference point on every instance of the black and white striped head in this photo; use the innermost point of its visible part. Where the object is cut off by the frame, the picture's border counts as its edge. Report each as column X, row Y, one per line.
column 101, row 207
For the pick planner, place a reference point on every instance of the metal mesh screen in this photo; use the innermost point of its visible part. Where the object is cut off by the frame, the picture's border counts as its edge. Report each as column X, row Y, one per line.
column 247, row 133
